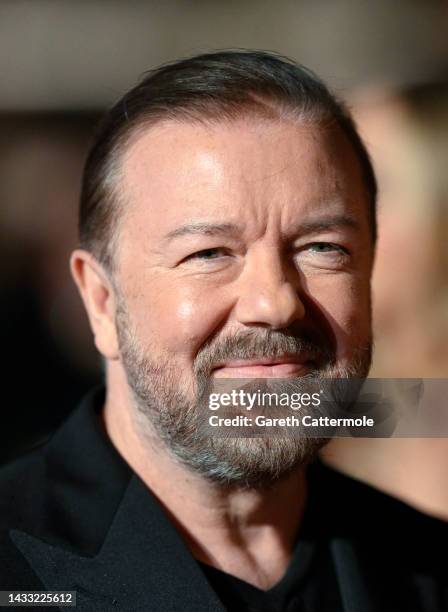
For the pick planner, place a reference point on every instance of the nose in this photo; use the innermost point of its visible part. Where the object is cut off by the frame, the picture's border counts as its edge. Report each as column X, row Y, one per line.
column 269, row 293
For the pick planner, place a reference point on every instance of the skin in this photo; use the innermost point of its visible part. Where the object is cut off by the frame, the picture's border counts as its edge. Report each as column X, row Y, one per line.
column 299, row 257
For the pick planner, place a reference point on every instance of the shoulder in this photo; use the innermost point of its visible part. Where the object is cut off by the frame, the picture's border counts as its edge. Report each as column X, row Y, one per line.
column 397, row 552
column 382, row 524
column 22, row 492
column 64, row 494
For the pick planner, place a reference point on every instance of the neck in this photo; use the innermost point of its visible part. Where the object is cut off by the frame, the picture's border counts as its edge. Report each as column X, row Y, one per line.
column 249, row 533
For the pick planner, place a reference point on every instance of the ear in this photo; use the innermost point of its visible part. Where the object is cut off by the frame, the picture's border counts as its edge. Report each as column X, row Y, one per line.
column 98, row 296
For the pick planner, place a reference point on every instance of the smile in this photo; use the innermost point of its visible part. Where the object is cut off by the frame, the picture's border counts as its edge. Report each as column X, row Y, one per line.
column 265, row 367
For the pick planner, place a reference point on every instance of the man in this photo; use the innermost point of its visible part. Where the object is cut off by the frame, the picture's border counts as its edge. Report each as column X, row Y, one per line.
column 227, row 231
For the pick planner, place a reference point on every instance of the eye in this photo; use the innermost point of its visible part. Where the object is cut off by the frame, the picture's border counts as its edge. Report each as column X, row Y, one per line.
column 207, row 254
column 323, row 255
column 326, row 247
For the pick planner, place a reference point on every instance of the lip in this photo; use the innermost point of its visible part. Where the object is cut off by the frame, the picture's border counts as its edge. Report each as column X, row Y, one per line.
column 265, row 367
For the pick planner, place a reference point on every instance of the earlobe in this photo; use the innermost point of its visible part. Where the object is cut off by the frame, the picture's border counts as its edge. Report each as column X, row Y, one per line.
column 98, row 295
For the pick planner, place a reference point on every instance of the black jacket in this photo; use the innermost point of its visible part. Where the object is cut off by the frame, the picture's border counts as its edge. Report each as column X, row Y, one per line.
column 73, row 516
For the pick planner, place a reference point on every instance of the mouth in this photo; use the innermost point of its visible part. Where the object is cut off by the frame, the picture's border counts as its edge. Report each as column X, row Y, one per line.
column 283, row 366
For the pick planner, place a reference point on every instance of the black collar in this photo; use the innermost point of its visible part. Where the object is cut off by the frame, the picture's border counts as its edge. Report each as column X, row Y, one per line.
column 105, row 535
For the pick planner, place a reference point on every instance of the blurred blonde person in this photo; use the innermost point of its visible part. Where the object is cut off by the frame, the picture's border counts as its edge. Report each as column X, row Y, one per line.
column 407, row 135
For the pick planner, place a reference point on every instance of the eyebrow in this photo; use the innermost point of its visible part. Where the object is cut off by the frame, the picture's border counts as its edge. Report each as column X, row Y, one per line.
column 221, row 229
column 328, row 222
column 202, row 229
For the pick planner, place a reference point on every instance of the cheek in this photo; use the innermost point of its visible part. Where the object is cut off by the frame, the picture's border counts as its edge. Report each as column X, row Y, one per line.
column 345, row 303
column 180, row 319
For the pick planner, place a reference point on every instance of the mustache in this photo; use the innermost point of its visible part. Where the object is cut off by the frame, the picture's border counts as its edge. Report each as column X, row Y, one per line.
column 255, row 344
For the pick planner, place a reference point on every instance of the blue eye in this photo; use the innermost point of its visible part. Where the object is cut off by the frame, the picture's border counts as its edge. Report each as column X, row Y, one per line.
column 325, row 247
column 206, row 254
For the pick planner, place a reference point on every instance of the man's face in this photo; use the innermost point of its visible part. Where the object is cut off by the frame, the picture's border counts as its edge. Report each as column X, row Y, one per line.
column 244, row 251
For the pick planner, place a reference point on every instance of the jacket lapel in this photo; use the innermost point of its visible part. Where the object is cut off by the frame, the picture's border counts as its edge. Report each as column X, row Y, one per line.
column 143, row 563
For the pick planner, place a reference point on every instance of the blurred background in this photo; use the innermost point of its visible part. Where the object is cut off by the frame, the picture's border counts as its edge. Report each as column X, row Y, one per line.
column 63, row 62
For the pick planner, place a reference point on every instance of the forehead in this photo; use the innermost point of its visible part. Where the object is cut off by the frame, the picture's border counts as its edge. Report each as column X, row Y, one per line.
column 250, row 169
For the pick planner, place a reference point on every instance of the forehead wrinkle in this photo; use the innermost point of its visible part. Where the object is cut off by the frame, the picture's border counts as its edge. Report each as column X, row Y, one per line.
column 264, row 196
column 266, row 176
column 203, row 229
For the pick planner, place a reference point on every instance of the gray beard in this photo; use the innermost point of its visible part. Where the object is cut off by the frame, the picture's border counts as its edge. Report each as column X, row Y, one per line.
column 166, row 406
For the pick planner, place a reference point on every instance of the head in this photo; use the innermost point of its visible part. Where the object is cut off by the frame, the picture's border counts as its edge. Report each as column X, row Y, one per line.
column 406, row 130
column 227, row 230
